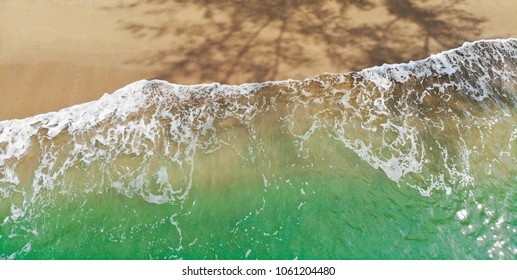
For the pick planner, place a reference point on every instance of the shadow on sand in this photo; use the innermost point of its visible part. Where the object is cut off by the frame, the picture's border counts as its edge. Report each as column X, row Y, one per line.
column 252, row 40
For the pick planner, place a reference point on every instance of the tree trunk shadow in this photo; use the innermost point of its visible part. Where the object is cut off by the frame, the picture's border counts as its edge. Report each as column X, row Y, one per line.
column 253, row 41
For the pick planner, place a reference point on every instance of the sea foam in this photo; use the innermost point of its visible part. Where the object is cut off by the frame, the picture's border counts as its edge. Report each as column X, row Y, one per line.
column 384, row 114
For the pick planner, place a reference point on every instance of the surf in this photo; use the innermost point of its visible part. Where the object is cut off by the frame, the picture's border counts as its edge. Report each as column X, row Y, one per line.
column 260, row 163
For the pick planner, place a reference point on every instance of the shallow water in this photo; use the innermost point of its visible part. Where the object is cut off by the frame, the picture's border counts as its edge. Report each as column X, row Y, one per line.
column 407, row 161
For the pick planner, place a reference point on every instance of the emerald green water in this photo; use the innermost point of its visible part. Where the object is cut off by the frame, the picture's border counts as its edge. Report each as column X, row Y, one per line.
column 407, row 161
column 304, row 216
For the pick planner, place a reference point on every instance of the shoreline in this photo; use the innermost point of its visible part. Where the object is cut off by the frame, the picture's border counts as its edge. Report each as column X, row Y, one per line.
column 371, row 72
column 61, row 53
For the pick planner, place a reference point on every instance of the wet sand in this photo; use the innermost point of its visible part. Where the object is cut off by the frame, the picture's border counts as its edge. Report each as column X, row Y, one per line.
column 54, row 54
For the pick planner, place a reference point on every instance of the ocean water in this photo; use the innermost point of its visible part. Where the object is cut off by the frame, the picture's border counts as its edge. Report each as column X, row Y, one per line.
column 406, row 161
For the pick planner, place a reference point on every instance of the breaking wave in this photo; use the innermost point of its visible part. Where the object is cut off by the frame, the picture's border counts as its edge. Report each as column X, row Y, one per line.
column 444, row 124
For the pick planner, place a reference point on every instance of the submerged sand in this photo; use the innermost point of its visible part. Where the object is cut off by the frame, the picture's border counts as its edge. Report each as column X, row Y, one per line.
column 54, row 54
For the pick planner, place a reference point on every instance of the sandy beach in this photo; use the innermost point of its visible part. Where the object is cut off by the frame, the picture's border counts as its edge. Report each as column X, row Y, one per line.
column 54, row 54
column 414, row 159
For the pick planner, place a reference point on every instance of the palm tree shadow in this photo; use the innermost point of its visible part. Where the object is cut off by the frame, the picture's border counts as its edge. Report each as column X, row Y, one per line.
column 252, row 40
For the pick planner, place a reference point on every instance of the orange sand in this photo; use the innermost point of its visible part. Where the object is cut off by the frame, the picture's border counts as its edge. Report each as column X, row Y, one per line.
column 54, row 54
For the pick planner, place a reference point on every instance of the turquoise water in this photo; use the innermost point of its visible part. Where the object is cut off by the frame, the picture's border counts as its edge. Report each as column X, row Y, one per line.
column 336, row 218
column 409, row 161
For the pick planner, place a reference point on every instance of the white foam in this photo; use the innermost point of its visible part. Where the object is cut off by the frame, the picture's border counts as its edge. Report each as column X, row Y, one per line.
column 462, row 214
column 135, row 120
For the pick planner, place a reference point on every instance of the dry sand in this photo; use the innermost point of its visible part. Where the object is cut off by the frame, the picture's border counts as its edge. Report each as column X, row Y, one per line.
column 57, row 53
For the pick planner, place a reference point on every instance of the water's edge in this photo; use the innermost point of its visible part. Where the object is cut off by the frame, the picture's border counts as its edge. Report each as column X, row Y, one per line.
column 414, row 160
